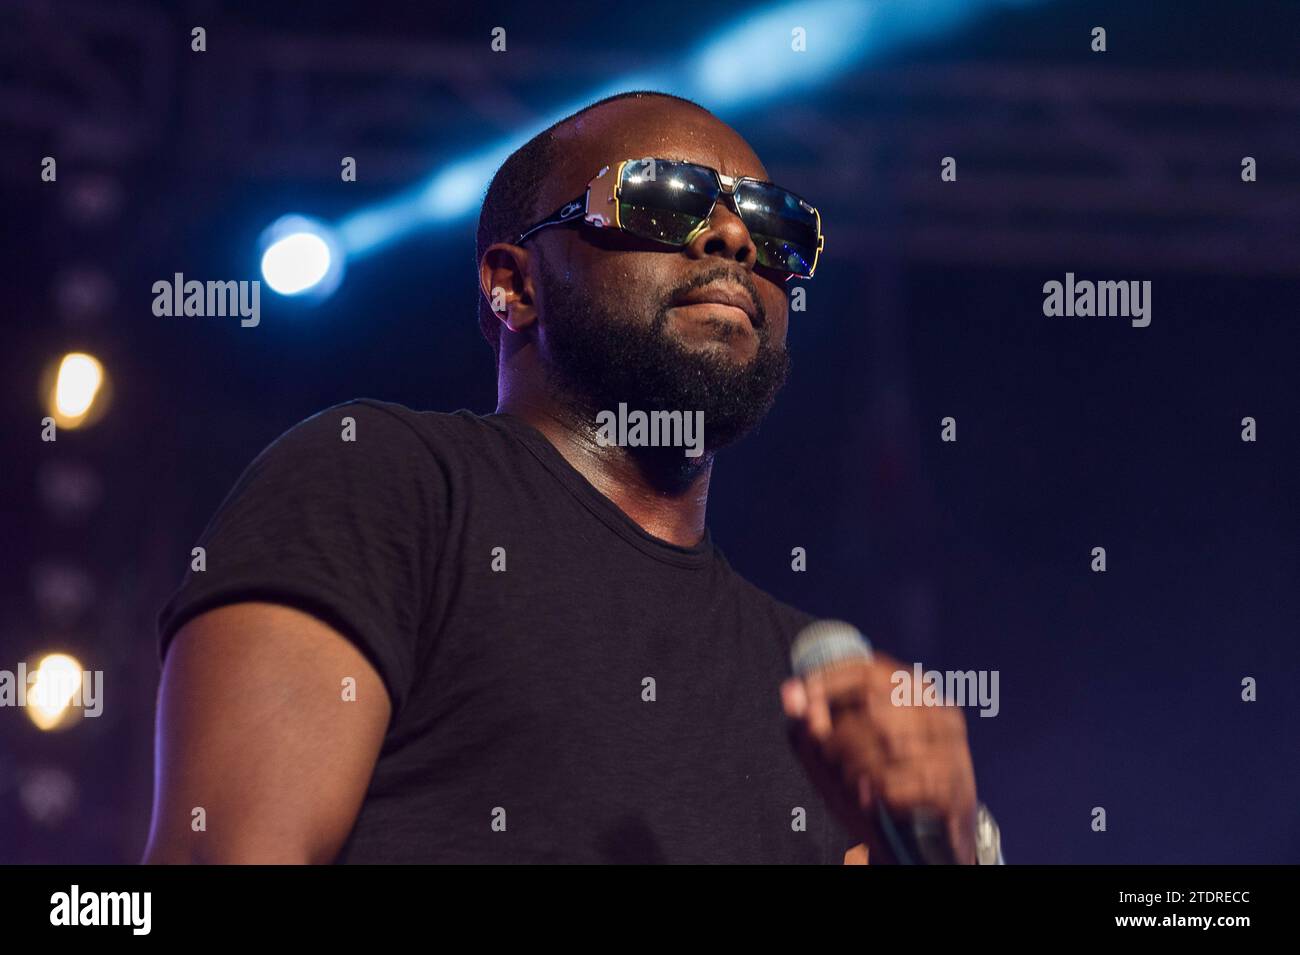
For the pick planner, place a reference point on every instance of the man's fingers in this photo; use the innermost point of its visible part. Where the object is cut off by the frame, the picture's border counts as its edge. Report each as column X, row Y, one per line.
column 867, row 754
column 850, row 679
column 826, row 778
column 818, row 715
column 794, row 698
column 865, row 794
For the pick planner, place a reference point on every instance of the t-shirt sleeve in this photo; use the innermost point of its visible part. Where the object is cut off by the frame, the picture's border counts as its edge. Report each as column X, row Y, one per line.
column 345, row 530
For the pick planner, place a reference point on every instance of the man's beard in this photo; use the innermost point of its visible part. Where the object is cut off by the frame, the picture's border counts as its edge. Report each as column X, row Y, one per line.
column 598, row 358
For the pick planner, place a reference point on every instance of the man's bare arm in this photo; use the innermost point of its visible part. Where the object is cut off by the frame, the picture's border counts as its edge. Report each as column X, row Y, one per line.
column 253, row 728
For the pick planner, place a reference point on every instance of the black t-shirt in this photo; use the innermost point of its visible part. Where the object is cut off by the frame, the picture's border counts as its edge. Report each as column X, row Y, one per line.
column 565, row 687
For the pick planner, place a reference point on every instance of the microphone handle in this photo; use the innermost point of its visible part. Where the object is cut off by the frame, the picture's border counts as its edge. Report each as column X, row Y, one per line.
column 919, row 840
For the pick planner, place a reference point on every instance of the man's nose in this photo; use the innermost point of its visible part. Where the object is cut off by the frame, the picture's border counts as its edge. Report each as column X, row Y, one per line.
column 724, row 236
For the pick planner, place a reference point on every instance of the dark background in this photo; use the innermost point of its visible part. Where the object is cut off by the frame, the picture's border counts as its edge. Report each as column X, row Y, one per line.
column 1120, row 690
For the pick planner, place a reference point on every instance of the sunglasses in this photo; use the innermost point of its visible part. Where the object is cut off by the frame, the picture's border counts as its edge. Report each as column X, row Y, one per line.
column 670, row 202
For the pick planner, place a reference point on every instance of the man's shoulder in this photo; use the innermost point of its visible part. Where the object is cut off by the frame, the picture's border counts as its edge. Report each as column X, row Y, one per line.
column 386, row 428
column 787, row 619
column 378, row 448
column 431, row 424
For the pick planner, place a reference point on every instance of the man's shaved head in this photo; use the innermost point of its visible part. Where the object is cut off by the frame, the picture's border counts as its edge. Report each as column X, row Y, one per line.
column 595, row 318
column 512, row 200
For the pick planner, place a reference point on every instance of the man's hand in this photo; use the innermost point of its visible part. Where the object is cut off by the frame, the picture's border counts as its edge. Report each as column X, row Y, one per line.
column 863, row 752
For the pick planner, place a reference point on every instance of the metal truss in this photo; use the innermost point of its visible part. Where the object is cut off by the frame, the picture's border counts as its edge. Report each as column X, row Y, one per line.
column 1086, row 166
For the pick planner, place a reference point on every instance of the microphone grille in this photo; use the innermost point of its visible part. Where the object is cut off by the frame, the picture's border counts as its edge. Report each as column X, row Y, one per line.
column 824, row 643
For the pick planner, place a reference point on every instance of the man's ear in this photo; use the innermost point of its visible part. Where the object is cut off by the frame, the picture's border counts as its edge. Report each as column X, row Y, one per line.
column 506, row 282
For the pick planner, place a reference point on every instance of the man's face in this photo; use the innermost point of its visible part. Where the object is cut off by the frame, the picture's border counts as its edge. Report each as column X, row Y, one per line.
column 613, row 323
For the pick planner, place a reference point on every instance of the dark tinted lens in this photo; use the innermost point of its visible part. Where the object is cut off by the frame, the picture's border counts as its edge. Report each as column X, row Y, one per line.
column 665, row 201
column 783, row 226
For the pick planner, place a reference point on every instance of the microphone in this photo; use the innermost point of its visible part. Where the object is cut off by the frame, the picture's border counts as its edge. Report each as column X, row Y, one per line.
column 823, row 645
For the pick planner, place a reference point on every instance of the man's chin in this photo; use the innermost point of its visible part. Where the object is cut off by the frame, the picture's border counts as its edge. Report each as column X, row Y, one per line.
column 729, row 341
column 733, row 354
column 724, row 370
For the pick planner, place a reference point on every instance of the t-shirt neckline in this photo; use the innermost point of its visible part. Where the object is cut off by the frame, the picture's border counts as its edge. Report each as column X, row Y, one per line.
column 602, row 507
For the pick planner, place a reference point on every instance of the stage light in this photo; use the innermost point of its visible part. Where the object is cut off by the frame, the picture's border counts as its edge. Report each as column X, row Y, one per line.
column 721, row 75
column 75, row 391
column 301, row 256
column 83, row 294
column 58, row 681
column 48, row 795
column 63, row 591
column 296, row 263
column 70, row 489
column 80, row 376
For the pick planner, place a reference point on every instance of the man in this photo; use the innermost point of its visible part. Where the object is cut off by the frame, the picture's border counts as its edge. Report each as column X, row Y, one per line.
column 456, row 638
